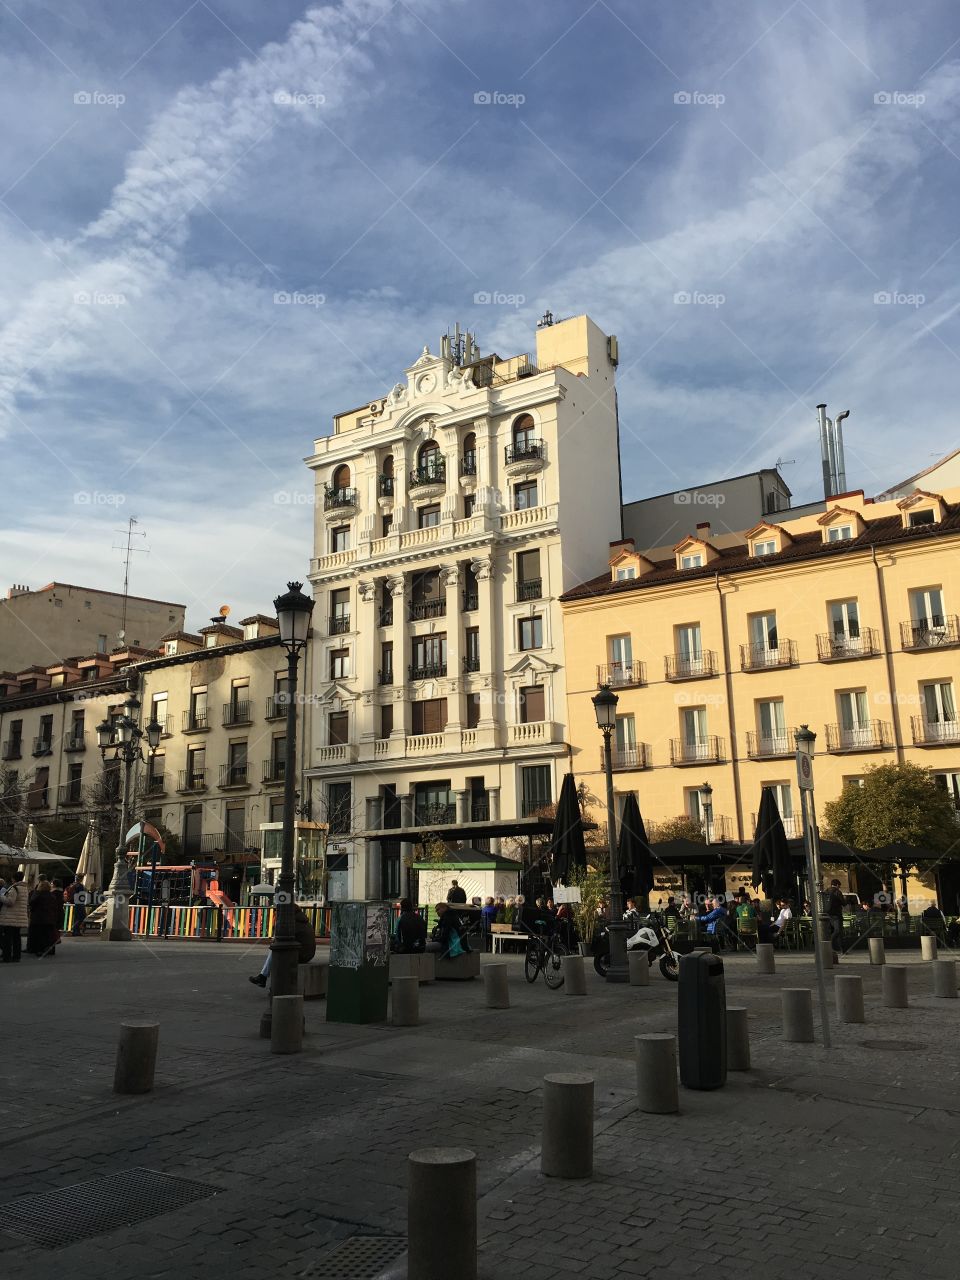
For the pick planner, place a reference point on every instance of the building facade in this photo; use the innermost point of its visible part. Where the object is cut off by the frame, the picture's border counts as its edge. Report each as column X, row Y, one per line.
column 846, row 621
column 451, row 514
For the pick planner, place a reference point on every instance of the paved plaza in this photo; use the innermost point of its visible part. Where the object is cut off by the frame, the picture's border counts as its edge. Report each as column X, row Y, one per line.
column 812, row 1164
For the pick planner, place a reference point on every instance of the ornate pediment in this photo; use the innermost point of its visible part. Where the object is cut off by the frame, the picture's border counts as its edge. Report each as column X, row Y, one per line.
column 530, row 665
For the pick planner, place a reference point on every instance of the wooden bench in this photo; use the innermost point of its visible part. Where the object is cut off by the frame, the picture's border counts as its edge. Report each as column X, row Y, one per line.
column 458, row 968
column 413, row 964
column 501, row 933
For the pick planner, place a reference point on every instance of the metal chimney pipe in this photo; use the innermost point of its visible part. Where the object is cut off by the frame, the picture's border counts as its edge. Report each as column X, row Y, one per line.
column 838, row 449
column 824, row 448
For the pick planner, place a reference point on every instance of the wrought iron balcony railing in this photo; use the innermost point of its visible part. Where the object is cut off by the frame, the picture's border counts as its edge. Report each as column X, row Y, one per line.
column 234, row 775
column 339, row 624
column 192, row 780
column 195, row 719
column 336, row 498
column 76, row 742
column 941, row 631
column 385, row 486
column 70, row 794
column 12, row 749
column 42, row 746
column 934, row 733
column 634, row 757
column 690, row 666
column 385, row 675
column 834, row 647
column 531, row 589
column 706, row 750
column 619, row 674
column 524, row 451
column 471, row 662
column 872, row 735
column 773, row 746
column 436, row 473
column 468, row 463
column 235, row 713
column 471, row 601
column 428, row 671
column 274, row 770
column 386, row 615
column 276, row 706
column 428, row 609
column 766, row 657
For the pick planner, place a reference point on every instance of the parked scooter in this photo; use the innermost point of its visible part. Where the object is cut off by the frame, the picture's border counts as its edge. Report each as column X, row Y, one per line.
column 651, row 937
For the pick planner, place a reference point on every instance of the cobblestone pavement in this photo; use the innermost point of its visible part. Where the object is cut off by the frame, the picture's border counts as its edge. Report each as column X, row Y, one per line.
column 813, row 1164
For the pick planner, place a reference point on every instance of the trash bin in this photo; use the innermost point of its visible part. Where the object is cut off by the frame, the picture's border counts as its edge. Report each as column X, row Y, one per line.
column 702, row 1021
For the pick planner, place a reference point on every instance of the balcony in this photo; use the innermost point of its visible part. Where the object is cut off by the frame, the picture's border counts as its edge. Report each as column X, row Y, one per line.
column 524, row 455
column 384, row 486
column 231, row 842
column 234, row 775
column 235, row 713
column 430, row 815
column 339, row 499
column 687, row 666
column 70, row 795
column 619, row 675
column 43, row 746
column 468, row 463
column 845, row 648
column 385, row 675
column 385, row 615
column 532, row 589
column 155, row 786
column 428, row 609
column 424, row 744
column 274, row 771
column 471, row 662
column 939, row 632
column 777, row 746
column 428, row 671
column 792, row 825
column 531, row 733
column 12, row 749
column 339, row 624
column 276, row 706
column 708, row 750
column 197, row 720
column 76, row 742
column 940, row 733
column 872, row 735
column 434, row 476
column 192, row 780
column 767, row 657
column 166, row 725
column 470, row 601
column 339, row 753
column 635, row 757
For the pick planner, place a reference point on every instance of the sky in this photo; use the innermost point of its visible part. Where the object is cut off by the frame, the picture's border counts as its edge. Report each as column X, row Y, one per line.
column 758, row 198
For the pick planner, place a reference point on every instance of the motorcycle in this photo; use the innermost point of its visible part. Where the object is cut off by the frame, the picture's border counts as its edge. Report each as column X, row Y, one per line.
column 651, row 938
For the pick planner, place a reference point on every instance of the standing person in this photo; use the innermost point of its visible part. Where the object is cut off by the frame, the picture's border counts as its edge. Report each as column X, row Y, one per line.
column 14, row 918
column 488, row 916
column 76, row 894
column 44, row 909
column 833, row 910
column 456, row 894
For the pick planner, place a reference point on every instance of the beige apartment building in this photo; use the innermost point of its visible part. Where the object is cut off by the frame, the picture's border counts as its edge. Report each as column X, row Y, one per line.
column 451, row 514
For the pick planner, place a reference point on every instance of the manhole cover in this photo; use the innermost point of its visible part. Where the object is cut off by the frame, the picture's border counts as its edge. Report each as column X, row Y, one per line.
column 359, row 1258
column 905, row 1045
column 56, row 1218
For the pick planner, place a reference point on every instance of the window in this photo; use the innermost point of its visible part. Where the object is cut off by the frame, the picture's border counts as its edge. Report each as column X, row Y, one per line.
column 530, row 632
column 840, row 533
column 524, row 433
column 692, row 561
column 844, row 620
column 763, row 633
column 386, row 663
column 237, row 763
column 620, row 656
column 950, row 782
column 340, row 480
column 926, row 609
column 340, row 611
column 427, row 590
column 693, row 729
column 471, row 657
column 386, row 720
column 468, row 458
column 387, row 525
column 939, row 711
column 624, row 575
column 339, row 804
column 469, row 505
column 625, row 739
column 921, row 517
column 525, row 495
column 385, row 479
column 529, row 582
column 196, row 766
column 339, row 663
column 765, row 547
column 278, row 757
column 532, row 704
column 473, row 710
column 340, row 538
column 428, row 517
column 155, row 768
column 198, row 708
column 429, row 715
column 429, row 656
column 76, row 728
column 276, row 810
column 429, row 461
column 239, row 708
column 338, row 727
column 784, row 798
column 101, row 644
column 535, row 790
column 689, row 649
column 772, row 728
column 854, row 718
column 433, row 802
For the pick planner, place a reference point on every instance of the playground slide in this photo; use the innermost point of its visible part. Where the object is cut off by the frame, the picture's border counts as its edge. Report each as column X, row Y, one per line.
column 217, row 898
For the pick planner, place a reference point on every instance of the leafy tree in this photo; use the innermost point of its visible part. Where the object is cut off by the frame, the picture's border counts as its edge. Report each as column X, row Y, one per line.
column 682, row 827
column 896, row 803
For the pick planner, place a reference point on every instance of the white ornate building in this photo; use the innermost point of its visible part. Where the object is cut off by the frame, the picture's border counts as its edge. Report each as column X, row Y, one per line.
column 450, row 516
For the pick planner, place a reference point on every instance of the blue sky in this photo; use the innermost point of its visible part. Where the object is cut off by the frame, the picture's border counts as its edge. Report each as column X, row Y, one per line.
column 171, row 167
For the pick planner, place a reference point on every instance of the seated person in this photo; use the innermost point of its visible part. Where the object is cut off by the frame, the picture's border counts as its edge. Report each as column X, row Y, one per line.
column 448, row 935
column 932, row 919
column 671, row 913
column 746, row 915
column 410, row 933
column 770, row 932
column 714, row 916
column 535, row 918
column 631, row 916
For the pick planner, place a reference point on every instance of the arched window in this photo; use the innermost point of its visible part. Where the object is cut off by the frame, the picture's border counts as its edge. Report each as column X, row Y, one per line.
column 524, row 436
column 341, row 479
column 385, row 484
column 468, row 459
column 429, row 461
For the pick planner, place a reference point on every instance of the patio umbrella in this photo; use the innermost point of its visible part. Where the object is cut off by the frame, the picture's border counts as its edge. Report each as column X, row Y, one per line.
column 772, row 864
column 89, row 869
column 29, row 846
column 567, row 851
column 635, row 856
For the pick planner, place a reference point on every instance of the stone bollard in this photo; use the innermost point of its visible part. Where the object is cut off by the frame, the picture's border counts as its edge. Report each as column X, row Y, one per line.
column 639, row 967
column 495, row 986
column 405, row 1002
column 877, row 952
column 657, row 1090
column 766, row 962
column 848, row 990
column 738, row 1039
column 893, row 986
column 945, row 978
column 136, row 1057
column 574, row 976
column 286, row 1024
column 442, row 1214
column 826, row 954
column 797, row 1006
column 928, row 947
column 567, row 1145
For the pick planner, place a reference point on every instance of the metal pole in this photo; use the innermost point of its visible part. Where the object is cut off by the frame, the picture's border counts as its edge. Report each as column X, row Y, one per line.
column 616, row 930
column 811, row 849
column 283, row 976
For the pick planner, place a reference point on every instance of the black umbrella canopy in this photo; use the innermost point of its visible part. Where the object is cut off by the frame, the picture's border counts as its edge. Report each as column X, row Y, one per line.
column 635, row 857
column 904, row 854
column 567, row 850
column 772, row 864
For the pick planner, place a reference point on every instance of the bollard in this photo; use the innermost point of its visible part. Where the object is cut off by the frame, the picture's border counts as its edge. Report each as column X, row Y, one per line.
column 657, row 1090
column 639, row 967
column 945, row 978
column 848, row 991
column 928, row 947
column 567, row 1145
column 286, row 1024
column 826, row 953
column 442, row 1214
column 738, row 1039
column 136, row 1057
column 797, row 1006
column 766, row 963
column 405, row 1002
column 893, row 986
column 877, row 953
column 495, row 986
column 574, row 976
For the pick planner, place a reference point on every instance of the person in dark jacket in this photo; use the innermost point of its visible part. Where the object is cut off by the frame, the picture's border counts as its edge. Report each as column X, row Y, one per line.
column 488, row 917
column 45, row 909
column 306, row 941
column 833, row 910
column 448, row 932
column 410, row 934
column 455, row 893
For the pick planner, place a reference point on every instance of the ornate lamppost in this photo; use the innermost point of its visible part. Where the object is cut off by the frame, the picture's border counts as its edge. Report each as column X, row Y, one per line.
column 605, row 706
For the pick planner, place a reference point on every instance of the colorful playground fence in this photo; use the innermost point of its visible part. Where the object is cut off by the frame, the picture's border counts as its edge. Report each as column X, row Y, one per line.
column 209, row 923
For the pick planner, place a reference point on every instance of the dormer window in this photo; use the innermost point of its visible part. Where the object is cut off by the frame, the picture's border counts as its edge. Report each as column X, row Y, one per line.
column 169, row 649
column 920, row 508
column 694, row 560
column 765, row 547
column 624, row 574
column 916, row 518
column 840, row 533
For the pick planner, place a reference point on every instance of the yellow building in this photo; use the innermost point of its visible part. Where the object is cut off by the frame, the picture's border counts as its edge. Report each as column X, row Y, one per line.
column 720, row 646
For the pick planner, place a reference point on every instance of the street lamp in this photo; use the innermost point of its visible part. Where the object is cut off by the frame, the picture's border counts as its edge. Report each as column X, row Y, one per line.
column 805, row 740
column 605, row 705
column 123, row 736
column 293, row 614
column 706, row 804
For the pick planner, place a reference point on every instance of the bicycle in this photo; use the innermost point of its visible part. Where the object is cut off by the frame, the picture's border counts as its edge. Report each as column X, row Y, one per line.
column 544, row 954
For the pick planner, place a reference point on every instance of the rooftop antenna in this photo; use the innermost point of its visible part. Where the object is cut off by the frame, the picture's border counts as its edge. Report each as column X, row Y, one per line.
column 784, row 462
column 128, row 550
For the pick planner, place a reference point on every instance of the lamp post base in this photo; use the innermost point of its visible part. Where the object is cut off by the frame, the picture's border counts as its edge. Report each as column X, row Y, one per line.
column 619, row 970
column 284, row 978
column 117, row 927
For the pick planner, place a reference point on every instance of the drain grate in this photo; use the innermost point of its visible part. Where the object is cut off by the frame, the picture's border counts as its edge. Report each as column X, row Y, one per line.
column 904, row 1046
column 359, row 1258
column 56, row 1218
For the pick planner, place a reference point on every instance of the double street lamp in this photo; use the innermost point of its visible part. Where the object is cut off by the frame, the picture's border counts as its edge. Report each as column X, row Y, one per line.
column 805, row 740
column 124, row 737
column 706, row 805
column 605, row 705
